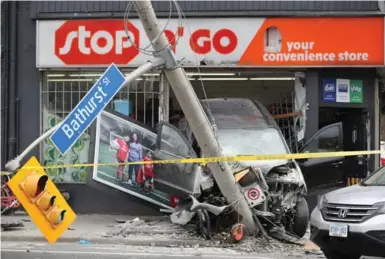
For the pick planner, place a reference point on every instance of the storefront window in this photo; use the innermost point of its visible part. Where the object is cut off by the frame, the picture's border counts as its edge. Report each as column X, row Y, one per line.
column 62, row 91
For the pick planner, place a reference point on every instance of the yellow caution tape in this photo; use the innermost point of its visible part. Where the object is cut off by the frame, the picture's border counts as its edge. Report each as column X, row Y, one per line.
column 205, row 160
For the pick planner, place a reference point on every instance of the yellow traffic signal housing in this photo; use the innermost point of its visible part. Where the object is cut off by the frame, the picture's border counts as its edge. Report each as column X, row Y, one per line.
column 42, row 200
column 33, row 184
column 46, row 201
column 56, row 215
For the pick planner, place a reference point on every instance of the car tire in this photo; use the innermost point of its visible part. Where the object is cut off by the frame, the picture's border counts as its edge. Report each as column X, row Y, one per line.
column 301, row 217
column 338, row 255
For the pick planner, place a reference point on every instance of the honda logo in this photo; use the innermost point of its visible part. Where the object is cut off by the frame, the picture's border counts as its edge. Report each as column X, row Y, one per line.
column 342, row 213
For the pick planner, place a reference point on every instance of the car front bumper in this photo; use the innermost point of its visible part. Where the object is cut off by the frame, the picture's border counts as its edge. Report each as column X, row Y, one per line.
column 366, row 238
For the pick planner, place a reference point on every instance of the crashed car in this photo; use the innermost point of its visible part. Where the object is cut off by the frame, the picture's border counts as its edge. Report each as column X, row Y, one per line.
column 274, row 189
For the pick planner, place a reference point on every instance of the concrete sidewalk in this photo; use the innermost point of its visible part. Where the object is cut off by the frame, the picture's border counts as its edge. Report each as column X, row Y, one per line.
column 105, row 229
column 143, row 231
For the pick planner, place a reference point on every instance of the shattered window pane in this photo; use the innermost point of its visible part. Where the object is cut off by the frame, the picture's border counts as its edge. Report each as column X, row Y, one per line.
column 236, row 114
column 173, row 143
column 241, row 107
column 251, row 142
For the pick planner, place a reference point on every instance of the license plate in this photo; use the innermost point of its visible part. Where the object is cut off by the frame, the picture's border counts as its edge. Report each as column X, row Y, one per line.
column 338, row 230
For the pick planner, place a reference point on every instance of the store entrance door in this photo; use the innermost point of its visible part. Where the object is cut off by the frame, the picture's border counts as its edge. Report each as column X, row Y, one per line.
column 355, row 124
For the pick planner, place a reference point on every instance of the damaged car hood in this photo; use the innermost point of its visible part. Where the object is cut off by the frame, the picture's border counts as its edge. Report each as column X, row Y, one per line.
column 264, row 165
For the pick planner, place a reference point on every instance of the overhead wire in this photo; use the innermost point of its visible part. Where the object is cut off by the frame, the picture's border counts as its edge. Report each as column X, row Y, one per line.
column 152, row 52
column 181, row 15
column 146, row 50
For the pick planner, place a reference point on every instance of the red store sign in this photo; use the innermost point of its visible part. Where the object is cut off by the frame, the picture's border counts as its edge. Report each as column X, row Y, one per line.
column 219, row 42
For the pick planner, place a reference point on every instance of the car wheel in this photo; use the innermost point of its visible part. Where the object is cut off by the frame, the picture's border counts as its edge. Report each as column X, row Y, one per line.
column 301, row 218
column 338, row 255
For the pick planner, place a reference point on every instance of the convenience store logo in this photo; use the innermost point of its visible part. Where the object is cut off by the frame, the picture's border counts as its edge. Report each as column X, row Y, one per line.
column 356, row 89
column 343, row 88
column 96, row 42
column 306, row 51
column 105, row 41
column 330, row 88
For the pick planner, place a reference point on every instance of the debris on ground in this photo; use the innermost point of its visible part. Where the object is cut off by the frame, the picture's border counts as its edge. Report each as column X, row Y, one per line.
column 5, row 226
column 255, row 244
column 311, row 248
column 139, row 226
column 162, row 229
column 120, row 221
column 314, row 252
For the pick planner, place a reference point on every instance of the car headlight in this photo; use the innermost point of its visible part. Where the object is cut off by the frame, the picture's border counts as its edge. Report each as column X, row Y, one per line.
column 322, row 202
column 381, row 207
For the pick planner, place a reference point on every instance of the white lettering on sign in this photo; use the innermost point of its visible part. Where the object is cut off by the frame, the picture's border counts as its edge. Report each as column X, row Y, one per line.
column 82, row 114
column 304, row 51
column 101, row 42
column 102, row 35
column 299, row 45
column 351, row 56
column 202, row 41
column 330, row 88
column 356, row 89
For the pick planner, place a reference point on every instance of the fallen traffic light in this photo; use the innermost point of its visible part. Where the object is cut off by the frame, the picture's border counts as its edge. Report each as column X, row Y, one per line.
column 34, row 187
column 42, row 200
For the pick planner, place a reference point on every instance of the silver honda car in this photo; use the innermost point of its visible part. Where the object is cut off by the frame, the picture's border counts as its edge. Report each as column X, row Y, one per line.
column 350, row 222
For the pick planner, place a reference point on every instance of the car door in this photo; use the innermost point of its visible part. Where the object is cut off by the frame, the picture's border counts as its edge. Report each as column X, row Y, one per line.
column 174, row 178
column 324, row 173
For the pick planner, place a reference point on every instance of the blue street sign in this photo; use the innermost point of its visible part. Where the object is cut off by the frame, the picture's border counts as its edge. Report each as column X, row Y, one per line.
column 88, row 109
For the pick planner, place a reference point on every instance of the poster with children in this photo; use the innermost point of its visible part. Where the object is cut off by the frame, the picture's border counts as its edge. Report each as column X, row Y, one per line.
column 117, row 142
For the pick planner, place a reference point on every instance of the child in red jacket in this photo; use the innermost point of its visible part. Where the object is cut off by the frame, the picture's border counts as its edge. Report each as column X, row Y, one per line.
column 148, row 173
column 122, row 147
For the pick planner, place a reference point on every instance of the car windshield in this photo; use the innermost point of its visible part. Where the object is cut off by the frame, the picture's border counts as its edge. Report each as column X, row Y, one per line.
column 251, row 142
column 376, row 179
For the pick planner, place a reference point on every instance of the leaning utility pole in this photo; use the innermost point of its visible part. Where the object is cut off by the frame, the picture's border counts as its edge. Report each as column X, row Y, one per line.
column 194, row 113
